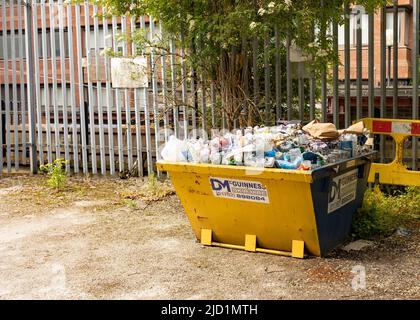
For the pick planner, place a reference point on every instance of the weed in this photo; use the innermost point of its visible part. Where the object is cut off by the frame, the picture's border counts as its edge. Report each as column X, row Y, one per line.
column 155, row 190
column 56, row 173
column 152, row 185
column 381, row 214
column 130, row 203
column 152, row 190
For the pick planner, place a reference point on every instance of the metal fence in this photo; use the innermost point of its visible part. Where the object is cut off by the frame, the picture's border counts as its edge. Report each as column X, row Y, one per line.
column 57, row 99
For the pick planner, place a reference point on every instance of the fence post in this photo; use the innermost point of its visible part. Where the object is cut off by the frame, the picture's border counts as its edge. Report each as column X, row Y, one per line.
column 31, row 86
column 415, row 75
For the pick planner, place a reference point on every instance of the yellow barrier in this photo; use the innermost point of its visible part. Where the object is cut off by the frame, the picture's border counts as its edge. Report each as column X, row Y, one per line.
column 394, row 172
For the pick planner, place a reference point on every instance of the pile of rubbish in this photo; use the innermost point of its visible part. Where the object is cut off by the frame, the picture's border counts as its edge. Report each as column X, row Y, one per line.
column 288, row 145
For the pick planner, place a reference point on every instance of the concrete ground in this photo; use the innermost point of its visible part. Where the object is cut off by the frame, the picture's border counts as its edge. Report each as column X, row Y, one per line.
column 98, row 241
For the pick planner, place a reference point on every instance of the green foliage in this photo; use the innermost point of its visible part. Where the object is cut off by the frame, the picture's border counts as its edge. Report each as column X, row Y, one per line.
column 152, row 185
column 208, row 27
column 155, row 189
column 219, row 36
column 56, row 172
column 381, row 214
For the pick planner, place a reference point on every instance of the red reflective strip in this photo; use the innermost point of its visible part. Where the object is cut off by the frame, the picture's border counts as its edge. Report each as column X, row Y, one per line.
column 381, row 126
column 415, row 128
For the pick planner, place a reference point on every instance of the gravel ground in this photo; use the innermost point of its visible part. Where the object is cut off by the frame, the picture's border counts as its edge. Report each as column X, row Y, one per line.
column 92, row 243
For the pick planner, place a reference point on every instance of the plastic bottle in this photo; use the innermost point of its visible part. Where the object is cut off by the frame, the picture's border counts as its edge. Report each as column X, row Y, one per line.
column 283, row 164
column 294, row 154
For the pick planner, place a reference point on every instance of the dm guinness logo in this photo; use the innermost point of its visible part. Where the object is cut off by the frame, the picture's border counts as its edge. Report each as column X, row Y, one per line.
column 239, row 190
column 218, row 185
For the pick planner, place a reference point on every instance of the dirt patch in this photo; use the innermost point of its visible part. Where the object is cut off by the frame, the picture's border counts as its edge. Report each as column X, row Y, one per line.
column 92, row 243
column 325, row 272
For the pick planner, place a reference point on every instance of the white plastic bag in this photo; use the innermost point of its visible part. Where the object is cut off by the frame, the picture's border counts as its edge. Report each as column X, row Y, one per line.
column 194, row 148
column 215, row 156
column 175, row 150
column 199, row 151
column 205, row 154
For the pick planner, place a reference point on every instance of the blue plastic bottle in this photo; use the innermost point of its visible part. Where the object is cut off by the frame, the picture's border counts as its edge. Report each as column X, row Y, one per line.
column 289, row 165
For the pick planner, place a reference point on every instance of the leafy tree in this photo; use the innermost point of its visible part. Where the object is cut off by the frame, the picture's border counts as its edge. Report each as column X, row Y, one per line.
column 218, row 36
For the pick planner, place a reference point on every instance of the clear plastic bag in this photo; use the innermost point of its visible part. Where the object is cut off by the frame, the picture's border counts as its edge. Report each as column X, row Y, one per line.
column 175, row 150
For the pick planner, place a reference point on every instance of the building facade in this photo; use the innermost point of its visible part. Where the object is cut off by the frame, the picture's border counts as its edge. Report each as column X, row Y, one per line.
column 359, row 19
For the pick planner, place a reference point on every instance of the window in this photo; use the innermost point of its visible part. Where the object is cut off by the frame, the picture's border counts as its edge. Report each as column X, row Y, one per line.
column 364, row 25
column 341, row 35
column 101, row 42
column 47, row 43
column 20, row 46
column 364, row 22
column 58, row 96
column 107, row 42
column 402, row 26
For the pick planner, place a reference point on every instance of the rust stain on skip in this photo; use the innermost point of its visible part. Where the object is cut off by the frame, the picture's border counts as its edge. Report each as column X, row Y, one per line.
column 191, row 190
